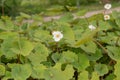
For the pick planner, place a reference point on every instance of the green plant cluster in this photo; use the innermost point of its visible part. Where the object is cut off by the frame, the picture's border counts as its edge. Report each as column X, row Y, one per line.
column 14, row 7
column 29, row 52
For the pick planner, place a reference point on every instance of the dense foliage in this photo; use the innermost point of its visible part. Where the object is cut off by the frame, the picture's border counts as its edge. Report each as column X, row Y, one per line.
column 14, row 7
column 28, row 50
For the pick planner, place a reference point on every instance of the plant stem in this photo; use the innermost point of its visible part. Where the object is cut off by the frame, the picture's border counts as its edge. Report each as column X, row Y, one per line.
column 101, row 78
column 76, row 75
column 2, row 10
column 2, row 3
column 18, row 58
column 111, row 62
column 57, row 47
column 105, row 51
column 87, row 20
column 117, row 41
column 19, row 45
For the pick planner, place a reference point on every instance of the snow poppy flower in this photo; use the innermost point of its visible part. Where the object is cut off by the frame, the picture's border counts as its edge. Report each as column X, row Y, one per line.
column 107, row 6
column 106, row 17
column 91, row 27
column 57, row 36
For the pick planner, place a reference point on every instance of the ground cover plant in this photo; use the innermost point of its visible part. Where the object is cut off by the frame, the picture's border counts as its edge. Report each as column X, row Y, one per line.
column 50, row 7
column 63, row 49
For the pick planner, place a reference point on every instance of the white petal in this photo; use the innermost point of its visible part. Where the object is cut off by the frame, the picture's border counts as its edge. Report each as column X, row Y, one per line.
column 56, row 39
column 106, row 17
column 107, row 6
column 61, row 36
column 56, row 32
column 57, row 35
column 91, row 27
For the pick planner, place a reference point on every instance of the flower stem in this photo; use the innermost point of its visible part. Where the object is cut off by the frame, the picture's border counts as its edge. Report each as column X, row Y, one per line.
column 18, row 58
column 105, row 51
column 117, row 40
column 57, row 49
column 86, row 20
column 2, row 10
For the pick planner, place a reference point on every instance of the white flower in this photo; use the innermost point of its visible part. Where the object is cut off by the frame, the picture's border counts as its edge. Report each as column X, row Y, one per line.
column 57, row 35
column 107, row 6
column 91, row 27
column 106, row 17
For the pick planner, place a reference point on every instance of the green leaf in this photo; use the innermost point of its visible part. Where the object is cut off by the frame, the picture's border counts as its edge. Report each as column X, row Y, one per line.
column 115, row 14
column 118, row 22
column 37, row 17
column 110, row 38
column 21, row 71
column 2, row 70
column 68, row 34
column 101, row 69
column 38, row 71
column 13, row 46
column 2, row 24
column 96, row 17
column 117, row 70
column 81, row 12
column 82, row 62
column 83, row 75
column 81, row 25
column 42, row 35
column 6, row 35
column 55, row 8
column 113, row 52
column 25, row 15
column 55, row 73
column 40, row 54
column 110, row 77
column 104, row 25
column 7, row 76
column 96, row 56
column 68, row 57
column 1, row 52
column 6, row 48
column 68, row 72
column 71, row 8
column 78, row 33
column 66, row 18
column 89, row 47
column 95, row 76
column 6, row 23
column 86, row 37
column 23, row 47
column 56, row 57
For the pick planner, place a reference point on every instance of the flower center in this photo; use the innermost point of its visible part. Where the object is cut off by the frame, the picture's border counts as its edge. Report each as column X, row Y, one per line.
column 57, row 36
column 106, row 16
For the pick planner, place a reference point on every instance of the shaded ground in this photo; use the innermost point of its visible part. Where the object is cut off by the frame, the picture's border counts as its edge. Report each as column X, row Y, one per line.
column 88, row 14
